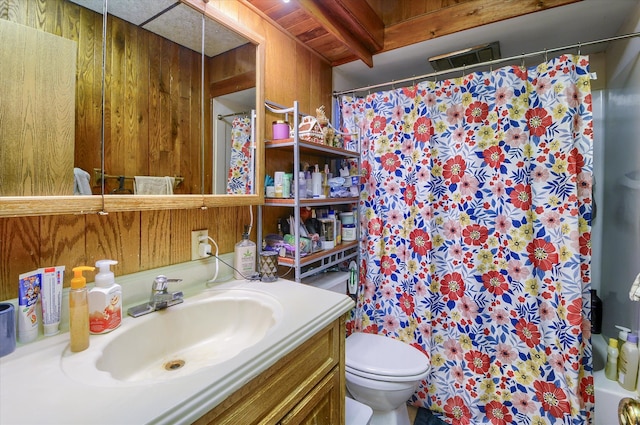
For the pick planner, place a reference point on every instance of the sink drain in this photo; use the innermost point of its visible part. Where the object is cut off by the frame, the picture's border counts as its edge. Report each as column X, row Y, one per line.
column 173, row 365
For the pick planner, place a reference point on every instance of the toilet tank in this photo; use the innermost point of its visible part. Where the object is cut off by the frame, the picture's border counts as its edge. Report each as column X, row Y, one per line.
column 331, row 281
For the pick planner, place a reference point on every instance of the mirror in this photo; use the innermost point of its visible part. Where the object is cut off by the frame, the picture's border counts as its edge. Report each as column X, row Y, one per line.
column 51, row 52
column 168, row 116
column 163, row 89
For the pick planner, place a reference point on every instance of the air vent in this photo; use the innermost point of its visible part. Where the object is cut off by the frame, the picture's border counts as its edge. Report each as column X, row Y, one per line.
column 466, row 57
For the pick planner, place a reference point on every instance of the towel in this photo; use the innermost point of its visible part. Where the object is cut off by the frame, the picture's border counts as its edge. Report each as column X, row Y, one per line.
column 81, row 184
column 145, row 185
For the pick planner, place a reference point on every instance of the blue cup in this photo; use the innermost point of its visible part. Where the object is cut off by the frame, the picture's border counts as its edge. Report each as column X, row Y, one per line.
column 7, row 329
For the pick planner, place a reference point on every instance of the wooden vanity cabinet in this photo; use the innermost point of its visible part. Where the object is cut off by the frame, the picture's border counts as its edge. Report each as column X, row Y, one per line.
column 307, row 386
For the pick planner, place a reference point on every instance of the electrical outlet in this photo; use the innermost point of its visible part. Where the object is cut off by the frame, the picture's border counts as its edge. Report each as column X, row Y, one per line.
column 195, row 241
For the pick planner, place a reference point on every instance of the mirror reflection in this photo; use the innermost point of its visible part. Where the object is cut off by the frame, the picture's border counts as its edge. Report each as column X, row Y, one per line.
column 50, row 108
column 175, row 146
column 161, row 79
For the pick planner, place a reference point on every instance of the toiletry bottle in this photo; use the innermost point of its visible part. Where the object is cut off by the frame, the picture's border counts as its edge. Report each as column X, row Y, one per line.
column 105, row 300
column 628, row 368
column 611, row 368
column 622, row 338
column 79, row 311
column 326, row 190
column 245, row 257
column 596, row 312
column 309, row 184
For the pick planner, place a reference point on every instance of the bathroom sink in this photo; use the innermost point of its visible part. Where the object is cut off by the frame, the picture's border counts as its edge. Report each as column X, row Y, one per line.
column 179, row 340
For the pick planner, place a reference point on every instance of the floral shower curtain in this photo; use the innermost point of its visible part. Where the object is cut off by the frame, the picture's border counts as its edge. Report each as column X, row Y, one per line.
column 240, row 179
column 476, row 238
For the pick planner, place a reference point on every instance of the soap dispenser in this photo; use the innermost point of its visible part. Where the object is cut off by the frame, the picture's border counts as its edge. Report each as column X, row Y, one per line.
column 105, row 300
column 79, row 311
column 245, row 257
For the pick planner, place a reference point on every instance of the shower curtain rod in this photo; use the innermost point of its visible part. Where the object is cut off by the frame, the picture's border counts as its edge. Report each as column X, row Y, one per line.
column 233, row 114
column 492, row 62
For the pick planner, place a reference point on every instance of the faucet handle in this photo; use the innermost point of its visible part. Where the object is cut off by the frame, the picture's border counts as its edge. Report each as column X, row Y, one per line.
column 161, row 281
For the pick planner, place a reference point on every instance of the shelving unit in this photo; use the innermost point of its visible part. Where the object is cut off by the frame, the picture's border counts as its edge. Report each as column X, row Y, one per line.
column 306, row 265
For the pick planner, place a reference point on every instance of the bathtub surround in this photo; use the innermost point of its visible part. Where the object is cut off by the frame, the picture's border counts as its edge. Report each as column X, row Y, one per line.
column 476, row 223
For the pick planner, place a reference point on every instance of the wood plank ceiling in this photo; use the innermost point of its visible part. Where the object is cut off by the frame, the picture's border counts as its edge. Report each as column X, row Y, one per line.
column 341, row 31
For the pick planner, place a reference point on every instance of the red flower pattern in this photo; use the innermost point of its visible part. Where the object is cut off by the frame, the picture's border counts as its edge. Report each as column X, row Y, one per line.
column 542, row 254
column 538, row 120
column 454, row 169
column 445, row 223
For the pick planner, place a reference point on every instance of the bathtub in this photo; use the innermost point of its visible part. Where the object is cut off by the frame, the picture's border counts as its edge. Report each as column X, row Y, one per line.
column 608, row 393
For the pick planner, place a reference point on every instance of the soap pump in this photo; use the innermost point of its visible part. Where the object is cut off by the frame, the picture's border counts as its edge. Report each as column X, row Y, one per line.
column 105, row 300
column 245, row 257
column 79, row 311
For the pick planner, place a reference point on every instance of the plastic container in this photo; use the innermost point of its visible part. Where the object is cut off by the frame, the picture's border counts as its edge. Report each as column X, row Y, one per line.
column 280, row 130
column 622, row 336
column 245, row 257
column 79, row 311
column 628, row 367
column 347, row 218
column 596, row 313
column 348, row 232
column 611, row 368
column 105, row 300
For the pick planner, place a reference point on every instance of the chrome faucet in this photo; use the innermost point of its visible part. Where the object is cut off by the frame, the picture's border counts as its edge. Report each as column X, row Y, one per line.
column 160, row 297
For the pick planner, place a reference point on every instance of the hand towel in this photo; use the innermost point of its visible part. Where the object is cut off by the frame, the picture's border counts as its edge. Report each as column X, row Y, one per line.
column 146, row 185
column 81, row 184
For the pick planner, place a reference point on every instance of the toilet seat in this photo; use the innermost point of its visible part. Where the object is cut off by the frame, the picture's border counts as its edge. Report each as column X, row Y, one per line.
column 383, row 358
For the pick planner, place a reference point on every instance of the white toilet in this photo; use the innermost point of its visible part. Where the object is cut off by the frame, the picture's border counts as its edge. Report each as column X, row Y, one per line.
column 383, row 373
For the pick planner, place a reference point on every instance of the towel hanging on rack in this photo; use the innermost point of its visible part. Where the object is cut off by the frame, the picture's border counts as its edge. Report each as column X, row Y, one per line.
column 81, row 182
column 147, row 185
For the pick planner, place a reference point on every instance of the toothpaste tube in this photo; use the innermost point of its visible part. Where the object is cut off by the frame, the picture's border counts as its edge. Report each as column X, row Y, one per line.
column 28, row 295
column 51, row 282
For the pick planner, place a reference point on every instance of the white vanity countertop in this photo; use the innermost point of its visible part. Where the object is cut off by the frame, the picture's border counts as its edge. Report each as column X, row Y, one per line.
column 34, row 389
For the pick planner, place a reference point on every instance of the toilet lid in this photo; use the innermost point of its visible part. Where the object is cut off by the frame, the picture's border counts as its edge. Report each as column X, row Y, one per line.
column 383, row 356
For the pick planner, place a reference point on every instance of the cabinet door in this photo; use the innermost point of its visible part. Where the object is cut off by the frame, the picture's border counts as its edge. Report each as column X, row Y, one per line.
column 321, row 406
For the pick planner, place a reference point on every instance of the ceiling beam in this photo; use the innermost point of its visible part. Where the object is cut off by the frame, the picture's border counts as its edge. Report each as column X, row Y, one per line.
column 361, row 20
column 316, row 9
column 461, row 17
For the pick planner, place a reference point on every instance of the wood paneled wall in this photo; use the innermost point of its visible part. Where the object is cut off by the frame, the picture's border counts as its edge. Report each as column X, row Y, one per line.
column 145, row 240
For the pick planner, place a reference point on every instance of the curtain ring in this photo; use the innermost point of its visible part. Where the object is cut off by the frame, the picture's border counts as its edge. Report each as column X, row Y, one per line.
column 522, row 61
column 579, row 47
column 545, row 55
column 464, row 68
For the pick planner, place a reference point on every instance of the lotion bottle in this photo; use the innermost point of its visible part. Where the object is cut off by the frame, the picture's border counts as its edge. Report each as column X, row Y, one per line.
column 628, row 368
column 79, row 311
column 105, row 300
column 245, row 257
column 611, row 368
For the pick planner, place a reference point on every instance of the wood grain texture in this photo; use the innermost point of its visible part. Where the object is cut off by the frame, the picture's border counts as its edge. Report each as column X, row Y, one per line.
column 37, row 112
column 459, row 17
column 287, row 386
column 127, row 236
